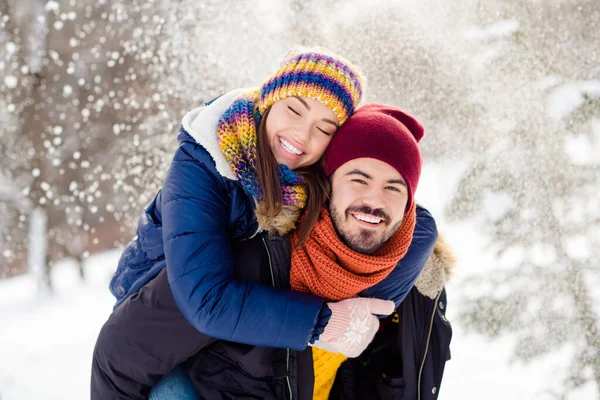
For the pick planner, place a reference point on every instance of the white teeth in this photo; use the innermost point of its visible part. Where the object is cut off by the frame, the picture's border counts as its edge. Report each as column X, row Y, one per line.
column 367, row 218
column 288, row 146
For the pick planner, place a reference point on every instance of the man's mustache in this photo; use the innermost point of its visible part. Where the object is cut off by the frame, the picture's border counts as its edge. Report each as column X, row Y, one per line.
column 379, row 213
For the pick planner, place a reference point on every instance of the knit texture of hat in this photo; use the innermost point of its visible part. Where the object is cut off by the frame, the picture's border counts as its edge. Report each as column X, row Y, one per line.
column 318, row 74
column 384, row 133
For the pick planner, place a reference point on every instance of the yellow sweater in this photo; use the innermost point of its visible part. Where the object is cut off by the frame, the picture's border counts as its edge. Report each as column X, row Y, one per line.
column 326, row 365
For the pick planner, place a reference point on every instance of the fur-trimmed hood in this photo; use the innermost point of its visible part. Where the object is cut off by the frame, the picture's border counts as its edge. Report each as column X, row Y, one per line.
column 201, row 124
column 437, row 270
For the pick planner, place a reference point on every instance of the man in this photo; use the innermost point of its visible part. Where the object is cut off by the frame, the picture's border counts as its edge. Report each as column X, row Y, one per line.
column 374, row 166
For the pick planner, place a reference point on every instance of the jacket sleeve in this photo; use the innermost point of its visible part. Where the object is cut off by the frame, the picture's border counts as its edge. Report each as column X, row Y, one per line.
column 400, row 281
column 198, row 253
column 142, row 341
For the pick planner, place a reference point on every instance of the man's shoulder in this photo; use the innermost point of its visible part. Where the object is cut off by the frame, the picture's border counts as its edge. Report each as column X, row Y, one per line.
column 423, row 212
column 426, row 227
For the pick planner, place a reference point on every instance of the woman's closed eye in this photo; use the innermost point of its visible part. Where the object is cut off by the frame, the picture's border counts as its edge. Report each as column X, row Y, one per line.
column 294, row 111
column 324, row 131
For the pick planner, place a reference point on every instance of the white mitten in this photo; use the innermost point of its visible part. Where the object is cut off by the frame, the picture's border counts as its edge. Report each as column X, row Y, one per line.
column 352, row 325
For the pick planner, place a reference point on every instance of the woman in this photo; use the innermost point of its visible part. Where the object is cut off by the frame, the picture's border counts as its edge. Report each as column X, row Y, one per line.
column 245, row 164
column 163, row 340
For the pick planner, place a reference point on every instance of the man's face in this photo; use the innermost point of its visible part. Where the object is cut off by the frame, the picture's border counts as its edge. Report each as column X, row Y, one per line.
column 368, row 199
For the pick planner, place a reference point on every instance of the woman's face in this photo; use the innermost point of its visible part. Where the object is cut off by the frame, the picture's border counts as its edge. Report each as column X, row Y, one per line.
column 299, row 130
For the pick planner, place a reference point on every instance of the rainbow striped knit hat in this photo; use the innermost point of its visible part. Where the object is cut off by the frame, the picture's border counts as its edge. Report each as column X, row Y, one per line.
column 318, row 74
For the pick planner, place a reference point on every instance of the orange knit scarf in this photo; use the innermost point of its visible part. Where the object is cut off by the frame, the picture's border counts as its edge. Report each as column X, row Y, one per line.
column 326, row 267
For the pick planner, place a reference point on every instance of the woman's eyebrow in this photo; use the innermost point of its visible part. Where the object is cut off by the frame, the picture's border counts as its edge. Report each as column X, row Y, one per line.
column 330, row 122
column 301, row 100
column 305, row 104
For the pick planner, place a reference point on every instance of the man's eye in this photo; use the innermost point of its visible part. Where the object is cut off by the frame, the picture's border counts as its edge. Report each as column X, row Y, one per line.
column 395, row 189
column 359, row 181
column 294, row 111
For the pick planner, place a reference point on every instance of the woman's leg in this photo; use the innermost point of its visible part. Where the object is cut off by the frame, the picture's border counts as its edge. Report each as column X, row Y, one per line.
column 175, row 386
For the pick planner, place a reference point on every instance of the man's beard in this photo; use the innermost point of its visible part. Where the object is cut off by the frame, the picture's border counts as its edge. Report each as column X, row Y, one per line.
column 362, row 240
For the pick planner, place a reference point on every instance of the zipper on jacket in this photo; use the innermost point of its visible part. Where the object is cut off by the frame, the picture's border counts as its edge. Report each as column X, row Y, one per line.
column 437, row 299
column 287, row 358
column 287, row 378
column 270, row 264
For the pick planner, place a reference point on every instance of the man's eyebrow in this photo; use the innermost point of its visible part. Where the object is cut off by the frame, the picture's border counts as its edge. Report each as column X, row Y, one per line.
column 367, row 176
column 359, row 172
column 305, row 104
column 398, row 182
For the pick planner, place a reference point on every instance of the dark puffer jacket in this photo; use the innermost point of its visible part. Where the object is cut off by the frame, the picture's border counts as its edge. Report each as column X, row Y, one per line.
column 188, row 228
column 406, row 359
column 146, row 337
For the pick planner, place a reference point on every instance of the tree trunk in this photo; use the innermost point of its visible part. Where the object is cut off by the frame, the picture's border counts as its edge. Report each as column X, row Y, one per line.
column 32, row 127
column 37, row 257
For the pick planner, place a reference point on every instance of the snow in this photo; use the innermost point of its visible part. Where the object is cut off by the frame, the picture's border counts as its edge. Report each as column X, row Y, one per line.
column 499, row 29
column 9, row 193
column 47, row 342
column 568, row 97
column 486, row 57
column 496, row 205
column 52, row 6
column 11, row 81
column 578, row 248
column 11, row 47
column 584, row 149
column 67, row 90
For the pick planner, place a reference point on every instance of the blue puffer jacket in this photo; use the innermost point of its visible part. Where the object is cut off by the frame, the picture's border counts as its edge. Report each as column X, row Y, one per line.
column 188, row 228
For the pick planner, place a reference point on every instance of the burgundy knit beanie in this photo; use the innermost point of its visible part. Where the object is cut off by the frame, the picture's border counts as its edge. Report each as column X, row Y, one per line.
column 384, row 133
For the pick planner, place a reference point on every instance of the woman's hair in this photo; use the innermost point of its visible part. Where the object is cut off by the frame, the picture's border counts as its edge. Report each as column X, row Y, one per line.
column 267, row 171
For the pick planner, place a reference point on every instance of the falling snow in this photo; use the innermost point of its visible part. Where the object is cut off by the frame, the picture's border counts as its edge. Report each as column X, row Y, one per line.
column 509, row 94
column 11, row 81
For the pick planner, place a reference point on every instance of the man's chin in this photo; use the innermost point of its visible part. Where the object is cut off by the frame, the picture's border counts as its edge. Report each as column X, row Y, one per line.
column 362, row 244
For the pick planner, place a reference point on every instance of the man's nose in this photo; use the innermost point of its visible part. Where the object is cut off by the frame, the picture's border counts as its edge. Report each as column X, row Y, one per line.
column 373, row 198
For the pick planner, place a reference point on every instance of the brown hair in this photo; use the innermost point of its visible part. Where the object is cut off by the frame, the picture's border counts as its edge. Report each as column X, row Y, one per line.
column 314, row 179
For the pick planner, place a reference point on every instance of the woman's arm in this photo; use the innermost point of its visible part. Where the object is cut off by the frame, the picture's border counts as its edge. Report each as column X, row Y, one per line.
column 195, row 214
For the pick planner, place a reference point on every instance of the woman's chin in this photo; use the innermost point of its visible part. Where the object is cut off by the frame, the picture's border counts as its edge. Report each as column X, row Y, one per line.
column 290, row 162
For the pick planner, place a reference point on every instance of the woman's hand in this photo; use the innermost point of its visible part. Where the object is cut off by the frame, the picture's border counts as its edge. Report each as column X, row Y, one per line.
column 353, row 325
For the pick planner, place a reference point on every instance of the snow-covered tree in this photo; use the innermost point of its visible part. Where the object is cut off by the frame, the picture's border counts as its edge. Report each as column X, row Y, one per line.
column 534, row 188
column 75, row 86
